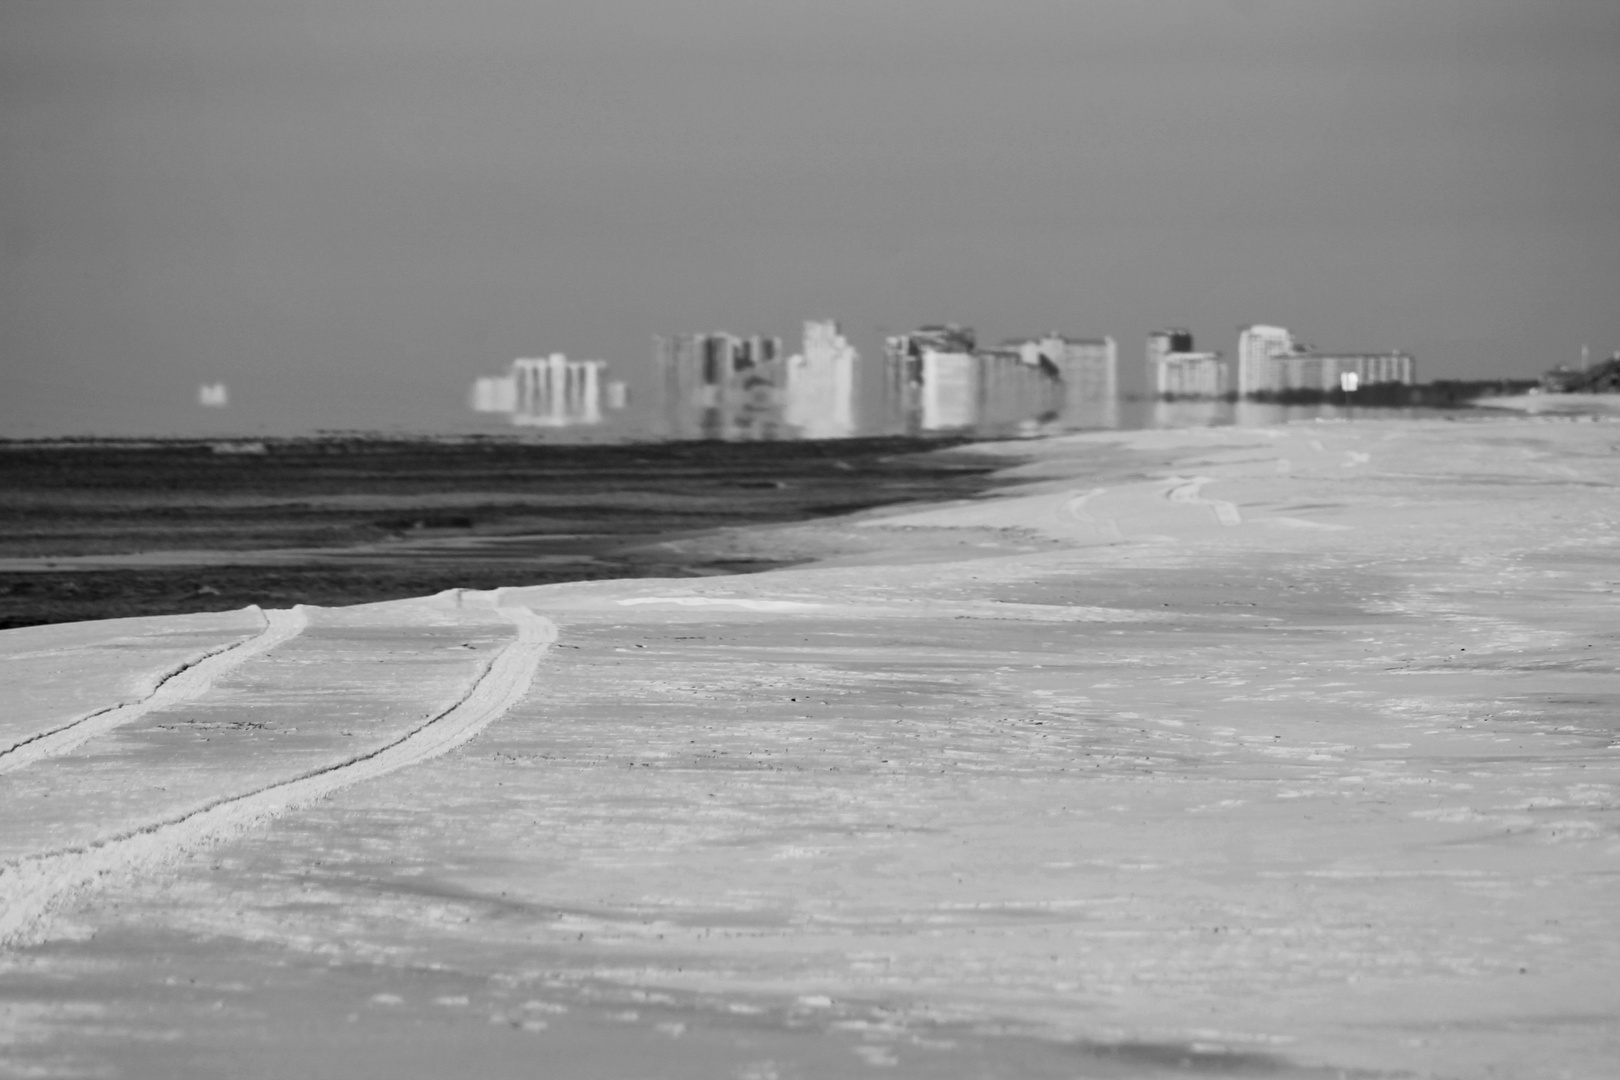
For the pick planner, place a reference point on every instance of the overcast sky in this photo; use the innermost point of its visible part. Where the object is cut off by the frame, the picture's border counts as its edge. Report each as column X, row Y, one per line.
column 348, row 209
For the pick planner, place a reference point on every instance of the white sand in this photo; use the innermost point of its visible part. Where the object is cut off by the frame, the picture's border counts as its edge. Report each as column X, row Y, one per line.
column 1279, row 749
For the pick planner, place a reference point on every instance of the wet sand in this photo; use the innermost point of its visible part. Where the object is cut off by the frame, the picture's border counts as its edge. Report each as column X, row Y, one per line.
column 126, row 529
column 1255, row 752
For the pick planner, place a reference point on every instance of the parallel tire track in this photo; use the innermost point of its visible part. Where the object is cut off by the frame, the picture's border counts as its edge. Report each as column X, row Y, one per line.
column 1077, row 510
column 1190, row 493
column 179, row 684
column 32, row 887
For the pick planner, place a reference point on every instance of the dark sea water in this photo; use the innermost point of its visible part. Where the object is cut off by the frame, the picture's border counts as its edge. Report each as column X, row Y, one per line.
column 107, row 529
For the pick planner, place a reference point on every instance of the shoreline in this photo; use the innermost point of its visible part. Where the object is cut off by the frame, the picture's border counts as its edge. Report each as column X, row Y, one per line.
column 1275, row 752
column 102, row 533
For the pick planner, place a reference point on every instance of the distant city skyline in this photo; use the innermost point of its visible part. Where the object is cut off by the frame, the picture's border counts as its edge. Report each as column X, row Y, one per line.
column 347, row 217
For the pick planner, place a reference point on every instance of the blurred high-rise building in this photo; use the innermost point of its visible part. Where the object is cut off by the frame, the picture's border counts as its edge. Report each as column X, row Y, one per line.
column 927, row 376
column 551, row 391
column 1311, row 371
column 1176, row 370
column 937, row 378
column 493, row 394
column 557, row 392
column 821, row 381
column 1272, row 363
column 719, row 386
column 1089, row 367
column 1258, row 346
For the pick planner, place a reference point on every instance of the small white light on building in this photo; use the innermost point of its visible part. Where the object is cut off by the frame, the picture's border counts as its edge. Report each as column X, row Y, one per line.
column 1348, row 381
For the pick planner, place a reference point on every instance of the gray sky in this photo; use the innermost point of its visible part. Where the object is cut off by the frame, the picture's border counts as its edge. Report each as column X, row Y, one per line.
column 348, row 209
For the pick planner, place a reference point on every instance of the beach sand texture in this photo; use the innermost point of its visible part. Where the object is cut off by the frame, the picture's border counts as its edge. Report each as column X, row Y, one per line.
column 1275, row 752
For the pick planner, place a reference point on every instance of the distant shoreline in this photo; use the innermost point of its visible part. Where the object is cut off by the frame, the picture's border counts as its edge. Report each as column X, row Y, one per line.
column 1557, row 404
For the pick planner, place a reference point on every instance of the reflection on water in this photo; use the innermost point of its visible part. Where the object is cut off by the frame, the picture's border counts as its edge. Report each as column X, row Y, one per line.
column 934, row 380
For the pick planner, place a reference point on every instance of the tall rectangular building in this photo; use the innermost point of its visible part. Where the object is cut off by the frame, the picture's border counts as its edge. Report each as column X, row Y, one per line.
column 557, row 392
column 1271, row 362
column 949, row 391
column 939, row 379
column 1088, row 367
column 1018, row 388
column 719, row 386
column 821, row 381
column 550, row 391
column 904, row 371
column 1258, row 346
column 1176, row 370
column 493, row 394
column 1325, row 371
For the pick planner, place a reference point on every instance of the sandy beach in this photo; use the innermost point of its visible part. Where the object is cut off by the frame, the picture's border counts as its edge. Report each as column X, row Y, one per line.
column 1285, row 751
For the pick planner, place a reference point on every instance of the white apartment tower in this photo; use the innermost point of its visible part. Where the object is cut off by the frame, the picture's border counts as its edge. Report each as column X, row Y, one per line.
column 557, row 392
column 1089, row 367
column 1258, row 346
column 820, row 397
column 1175, row 370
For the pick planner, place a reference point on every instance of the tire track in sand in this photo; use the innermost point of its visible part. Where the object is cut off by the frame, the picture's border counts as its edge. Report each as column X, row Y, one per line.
column 184, row 682
column 1190, row 493
column 33, row 887
column 1077, row 507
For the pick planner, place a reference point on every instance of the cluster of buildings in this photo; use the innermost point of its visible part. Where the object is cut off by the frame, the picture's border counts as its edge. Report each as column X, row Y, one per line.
column 1269, row 364
column 724, row 386
column 932, row 379
column 551, row 391
column 938, row 378
column 1176, row 369
column 1602, row 378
